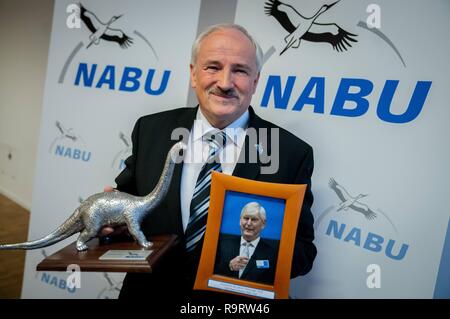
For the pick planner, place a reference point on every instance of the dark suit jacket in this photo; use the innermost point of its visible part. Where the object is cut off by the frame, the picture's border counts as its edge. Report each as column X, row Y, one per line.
column 151, row 139
column 229, row 247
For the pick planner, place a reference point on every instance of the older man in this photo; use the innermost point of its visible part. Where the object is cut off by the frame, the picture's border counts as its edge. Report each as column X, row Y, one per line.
column 225, row 69
column 248, row 257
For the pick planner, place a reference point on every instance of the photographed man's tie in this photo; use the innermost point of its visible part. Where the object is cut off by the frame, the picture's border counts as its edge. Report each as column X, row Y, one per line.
column 246, row 253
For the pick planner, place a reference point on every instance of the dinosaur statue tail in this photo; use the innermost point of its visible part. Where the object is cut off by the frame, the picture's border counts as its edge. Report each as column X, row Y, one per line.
column 71, row 226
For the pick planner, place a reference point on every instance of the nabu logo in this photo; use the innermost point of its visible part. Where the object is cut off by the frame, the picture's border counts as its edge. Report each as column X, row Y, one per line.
column 358, row 210
column 69, row 144
column 53, row 280
column 114, row 77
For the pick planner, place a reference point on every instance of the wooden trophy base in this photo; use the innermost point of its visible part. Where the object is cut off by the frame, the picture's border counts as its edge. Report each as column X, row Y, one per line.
column 89, row 260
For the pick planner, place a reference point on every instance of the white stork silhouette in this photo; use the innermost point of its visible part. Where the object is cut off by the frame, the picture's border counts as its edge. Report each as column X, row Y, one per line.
column 303, row 28
column 66, row 133
column 102, row 30
column 348, row 201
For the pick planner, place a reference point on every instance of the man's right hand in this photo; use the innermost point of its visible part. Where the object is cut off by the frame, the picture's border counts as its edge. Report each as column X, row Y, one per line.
column 238, row 263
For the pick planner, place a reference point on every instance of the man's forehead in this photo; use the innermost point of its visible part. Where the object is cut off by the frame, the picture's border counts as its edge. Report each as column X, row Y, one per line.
column 221, row 41
column 221, row 58
column 252, row 215
column 237, row 64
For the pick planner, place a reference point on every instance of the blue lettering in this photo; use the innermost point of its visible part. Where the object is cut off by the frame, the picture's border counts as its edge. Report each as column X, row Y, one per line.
column 107, row 77
column 76, row 154
column 162, row 86
column 354, row 235
column 129, row 82
column 86, row 158
column 59, row 150
column 57, row 282
column 62, row 284
column 54, row 282
column 400, row 255
column 68, row 152
column 343, row 95
column 281, row 99
column 88, row 77
column 317, row 101
column 333, row 227
column 373, row 242
column 350, row 100
column 415, row 104
column 45, row 277
column 127, row 77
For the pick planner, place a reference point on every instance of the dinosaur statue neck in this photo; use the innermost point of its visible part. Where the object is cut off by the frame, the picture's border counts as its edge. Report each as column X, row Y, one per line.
column 160, row 191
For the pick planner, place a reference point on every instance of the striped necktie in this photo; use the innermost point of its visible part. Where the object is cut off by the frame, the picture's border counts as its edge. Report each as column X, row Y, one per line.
column 245, row 253
column 200, row 200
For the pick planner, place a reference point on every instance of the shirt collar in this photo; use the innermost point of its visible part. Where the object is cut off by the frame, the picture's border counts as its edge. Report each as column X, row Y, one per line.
column 254, row 242
column 235, row 131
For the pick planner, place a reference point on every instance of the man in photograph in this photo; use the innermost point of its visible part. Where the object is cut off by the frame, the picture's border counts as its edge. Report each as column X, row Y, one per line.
column 248, row 256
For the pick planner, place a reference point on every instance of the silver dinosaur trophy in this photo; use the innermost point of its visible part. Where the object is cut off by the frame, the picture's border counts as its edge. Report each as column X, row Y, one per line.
column 110, row 209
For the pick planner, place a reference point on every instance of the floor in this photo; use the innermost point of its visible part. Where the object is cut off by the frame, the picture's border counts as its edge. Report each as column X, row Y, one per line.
column 14, row 221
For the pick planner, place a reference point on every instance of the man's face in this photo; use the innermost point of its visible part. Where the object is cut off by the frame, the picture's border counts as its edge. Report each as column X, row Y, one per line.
column 251, row 226
column 224, row 76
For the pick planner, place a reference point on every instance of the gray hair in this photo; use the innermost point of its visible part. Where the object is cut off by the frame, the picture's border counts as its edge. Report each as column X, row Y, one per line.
column 216, row 27
column 254, row 208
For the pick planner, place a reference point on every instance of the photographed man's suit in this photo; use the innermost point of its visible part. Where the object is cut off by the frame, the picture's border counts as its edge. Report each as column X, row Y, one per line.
column 229, row 247
column 151, row 139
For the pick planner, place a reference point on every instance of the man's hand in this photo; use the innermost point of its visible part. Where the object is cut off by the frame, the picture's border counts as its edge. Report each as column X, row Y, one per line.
column 238, row 263
column 108, row 189
column 108, row 230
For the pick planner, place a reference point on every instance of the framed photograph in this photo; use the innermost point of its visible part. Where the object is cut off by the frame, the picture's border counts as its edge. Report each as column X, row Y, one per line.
column 250, row 236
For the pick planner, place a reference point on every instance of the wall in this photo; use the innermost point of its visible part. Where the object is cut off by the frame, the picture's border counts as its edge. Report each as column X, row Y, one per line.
column 25, row 27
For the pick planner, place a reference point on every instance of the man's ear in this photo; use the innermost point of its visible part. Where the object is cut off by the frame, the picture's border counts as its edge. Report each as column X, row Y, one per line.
column 192, row 75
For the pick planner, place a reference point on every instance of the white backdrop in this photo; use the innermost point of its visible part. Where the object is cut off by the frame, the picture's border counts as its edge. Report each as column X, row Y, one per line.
column 401, row 167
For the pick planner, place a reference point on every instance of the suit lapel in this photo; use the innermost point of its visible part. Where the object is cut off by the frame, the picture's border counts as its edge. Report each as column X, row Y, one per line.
column 257, row 255
column 246, row 166
column 186, row 120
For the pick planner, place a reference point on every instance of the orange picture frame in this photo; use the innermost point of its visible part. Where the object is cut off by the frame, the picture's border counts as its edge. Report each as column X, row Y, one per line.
column 292, row 194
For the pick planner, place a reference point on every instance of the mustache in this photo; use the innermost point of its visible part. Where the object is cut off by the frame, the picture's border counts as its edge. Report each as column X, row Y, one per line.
column 224, row 93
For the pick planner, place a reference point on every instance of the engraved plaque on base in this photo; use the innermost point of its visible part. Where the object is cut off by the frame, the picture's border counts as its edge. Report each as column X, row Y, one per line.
column 107, row 258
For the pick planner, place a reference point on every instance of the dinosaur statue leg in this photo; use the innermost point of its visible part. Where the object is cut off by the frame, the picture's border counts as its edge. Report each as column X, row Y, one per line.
column 135, row 229
column 84, row 237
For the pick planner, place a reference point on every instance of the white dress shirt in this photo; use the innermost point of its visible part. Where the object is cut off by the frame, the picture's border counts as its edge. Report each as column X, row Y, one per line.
column 251, row 249
column 197, row 153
